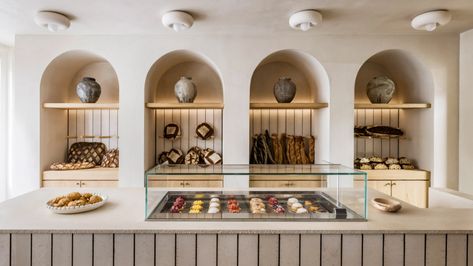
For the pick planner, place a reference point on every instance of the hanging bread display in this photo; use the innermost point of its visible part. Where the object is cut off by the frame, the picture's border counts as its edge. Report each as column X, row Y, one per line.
column 171, row 131
column 204, row 131
column 175, row 156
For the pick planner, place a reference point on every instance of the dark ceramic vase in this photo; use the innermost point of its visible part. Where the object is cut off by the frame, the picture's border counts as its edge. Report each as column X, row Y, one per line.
column 284, row 90
column 88, row 90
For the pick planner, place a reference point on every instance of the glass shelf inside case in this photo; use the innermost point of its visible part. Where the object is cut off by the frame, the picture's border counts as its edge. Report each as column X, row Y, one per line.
column 342, row 195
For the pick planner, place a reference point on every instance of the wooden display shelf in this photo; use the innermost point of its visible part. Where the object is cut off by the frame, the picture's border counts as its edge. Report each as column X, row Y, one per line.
column 415, row 174
column 392, row 105
column 288, row 105
column 184, row 105
column 81, row 105
column 384, row 137
column 97, row 173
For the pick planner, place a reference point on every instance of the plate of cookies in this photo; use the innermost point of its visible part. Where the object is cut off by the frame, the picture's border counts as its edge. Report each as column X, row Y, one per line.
column 76, row 202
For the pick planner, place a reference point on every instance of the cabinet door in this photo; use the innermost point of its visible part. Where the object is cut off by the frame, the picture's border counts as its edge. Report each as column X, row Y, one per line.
column 166, row 183
column 412, row 192
column 304, row 184
column 61, row 183
column 269, row 184
column 98, row 183
column 202, row 183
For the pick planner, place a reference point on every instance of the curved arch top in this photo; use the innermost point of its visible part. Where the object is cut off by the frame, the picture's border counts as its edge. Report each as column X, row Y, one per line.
column 167, row 70
column 414, row 81
column 59, row 80
column 305, row 70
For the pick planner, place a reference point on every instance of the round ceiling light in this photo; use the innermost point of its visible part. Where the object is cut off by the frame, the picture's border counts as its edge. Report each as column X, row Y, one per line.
column 177, row 20
column 53, row 21
column 429, row 21
column 305, row 20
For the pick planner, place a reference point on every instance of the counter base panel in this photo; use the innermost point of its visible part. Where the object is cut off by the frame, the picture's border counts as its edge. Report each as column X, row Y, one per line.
column 234, row 249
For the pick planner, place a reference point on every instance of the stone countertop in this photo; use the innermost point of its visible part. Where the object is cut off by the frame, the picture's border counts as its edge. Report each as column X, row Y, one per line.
column 124, row 213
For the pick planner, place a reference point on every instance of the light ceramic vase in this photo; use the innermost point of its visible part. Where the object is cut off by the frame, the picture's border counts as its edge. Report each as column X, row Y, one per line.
column 284, row 90
column 380, row 89
column 88, row 90
column 185, row 90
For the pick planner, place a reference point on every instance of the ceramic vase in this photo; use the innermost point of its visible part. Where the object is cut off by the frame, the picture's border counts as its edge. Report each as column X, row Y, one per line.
column 380, row 89
column 185, row 90
column 88, row 90
column 284, row 90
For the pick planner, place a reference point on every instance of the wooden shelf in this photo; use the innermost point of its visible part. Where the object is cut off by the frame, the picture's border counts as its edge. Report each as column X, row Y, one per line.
column 384, row 137
column 288, row 105
column 81, row 105
column 392, row 105
column 184, row 105
column 97, row 173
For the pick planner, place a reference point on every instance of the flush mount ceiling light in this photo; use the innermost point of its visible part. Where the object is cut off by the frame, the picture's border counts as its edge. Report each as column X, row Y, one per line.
column 53, row 21
column 429, row 21
column 177, row 20
column 305, row 20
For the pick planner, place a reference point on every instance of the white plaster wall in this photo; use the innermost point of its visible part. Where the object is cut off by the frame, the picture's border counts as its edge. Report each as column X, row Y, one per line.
column 236, row 57
column 466, row 113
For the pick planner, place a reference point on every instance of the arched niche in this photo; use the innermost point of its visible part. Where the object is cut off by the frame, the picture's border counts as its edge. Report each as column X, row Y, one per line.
column 63, row 125
column 306, row 72
column 414, row 82
column 295, row 119
column 167, row 70
column 159, row 92
column 59, row 80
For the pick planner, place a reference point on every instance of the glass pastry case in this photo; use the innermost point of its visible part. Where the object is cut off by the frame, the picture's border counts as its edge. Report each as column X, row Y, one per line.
column 341, row 195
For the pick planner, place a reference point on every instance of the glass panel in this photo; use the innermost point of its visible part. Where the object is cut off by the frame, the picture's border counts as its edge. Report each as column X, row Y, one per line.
column 324, row 191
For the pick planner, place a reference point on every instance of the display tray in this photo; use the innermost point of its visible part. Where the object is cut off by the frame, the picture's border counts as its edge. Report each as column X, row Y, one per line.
column 266, row 205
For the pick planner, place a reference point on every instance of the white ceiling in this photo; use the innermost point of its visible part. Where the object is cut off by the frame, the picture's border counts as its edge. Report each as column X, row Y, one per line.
column 231, row 16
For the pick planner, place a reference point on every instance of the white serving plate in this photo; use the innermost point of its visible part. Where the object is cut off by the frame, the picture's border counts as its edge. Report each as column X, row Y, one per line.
column 79, row 209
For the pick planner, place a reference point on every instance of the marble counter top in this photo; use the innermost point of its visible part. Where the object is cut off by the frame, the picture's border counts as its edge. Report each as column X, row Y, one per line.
column 124, row 213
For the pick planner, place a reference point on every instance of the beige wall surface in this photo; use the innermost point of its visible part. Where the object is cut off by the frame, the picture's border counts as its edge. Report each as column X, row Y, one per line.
column 236, row 58
column 465, row 113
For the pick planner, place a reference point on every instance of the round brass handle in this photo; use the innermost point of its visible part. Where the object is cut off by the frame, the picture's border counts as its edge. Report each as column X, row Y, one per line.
column 182, row 183
column 187, row 184
column 387, row 184
column 393, row 184
column 78, row 183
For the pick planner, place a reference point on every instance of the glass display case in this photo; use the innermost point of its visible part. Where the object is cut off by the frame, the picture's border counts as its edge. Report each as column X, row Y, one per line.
column 342, row 195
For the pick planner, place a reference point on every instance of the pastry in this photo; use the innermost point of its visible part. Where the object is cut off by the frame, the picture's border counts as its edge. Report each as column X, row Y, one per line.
column 163, row 158
column 211, row 157
column 194, row 211
column 213, row 210
column 291, row 150
column 273, row 201
column 95, row 199
column 72, row 166
column 171, row 131
column 175, row 156
column 214, row 205
column 277, row 149
column 307, row 203
column 390, row 161
column 311, row 149
column 204, row 131
column 198, row 202
column 408, row 167
column 301, row 210
column 233, row 206
column 366, row 167
column 278, row 209
column 192, row 158
column 291, row 201
column 404, row 160
column 296, row 206
column 384, row 131
column 380, row 166
column 214, row 200
column 395, row 166
column 375, row 159
column 313, row 208
column 364, row 160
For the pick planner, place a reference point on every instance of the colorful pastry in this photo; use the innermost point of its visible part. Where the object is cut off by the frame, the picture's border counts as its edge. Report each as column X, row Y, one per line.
column 296, row 206
column 291, row 201
column 301, row 210
column 213, row 210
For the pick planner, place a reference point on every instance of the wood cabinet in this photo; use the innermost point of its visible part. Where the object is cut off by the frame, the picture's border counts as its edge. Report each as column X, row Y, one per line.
column 95, row 177
column 186, row 181
column 285, row 181
column 411, row 186
column 80, row 183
